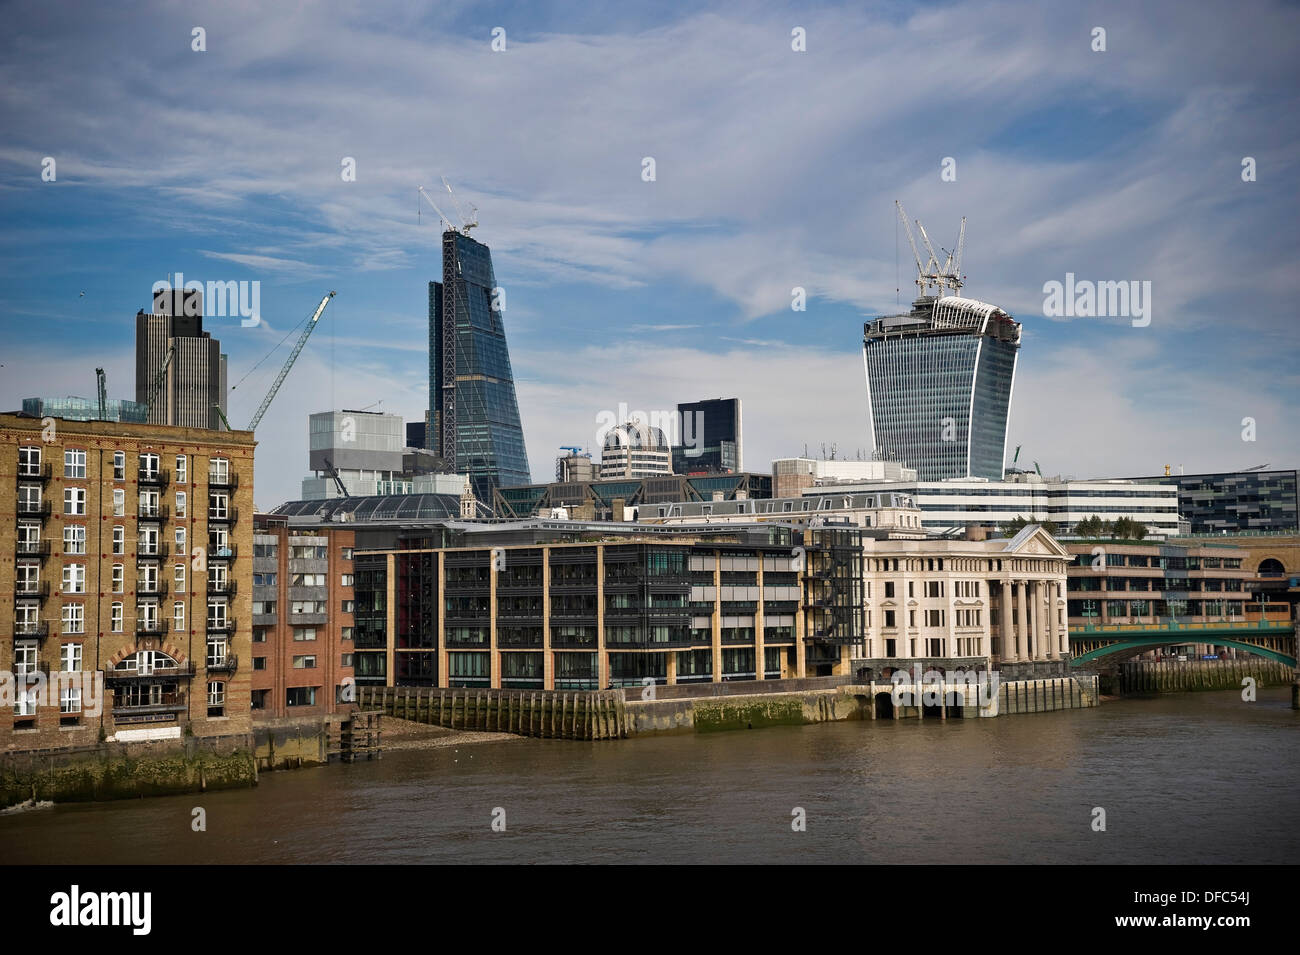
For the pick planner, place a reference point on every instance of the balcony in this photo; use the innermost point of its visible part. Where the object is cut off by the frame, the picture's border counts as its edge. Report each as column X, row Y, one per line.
column 158, row 552
column 223, row 625
column 155, row 707
column 182, row 671
column 159, row 478
column 39, row 509
column 39, row 472
column 222, row 664
column 39, row 591
column 37, row 548
column 222, row 553
column 228, row 515
column 222, row 588
column 157, row 588
column 156, row 513
column 39, row 629
column 150, row 628
column 228, row 480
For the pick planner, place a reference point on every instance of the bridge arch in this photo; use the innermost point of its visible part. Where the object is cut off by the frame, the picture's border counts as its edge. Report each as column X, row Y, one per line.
column 1123, row 649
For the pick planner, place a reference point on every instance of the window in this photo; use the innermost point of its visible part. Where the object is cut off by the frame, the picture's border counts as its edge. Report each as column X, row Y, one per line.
column 74, row 539
column 74, row 464
column 178, row 616
column 263, row 606
column 259, row 699
column 265, row 550
column 263, row 580
column 74, row 501
column 889, row 619
column 119, row 465
column 181, row 461
column 119, row 540
column 29, row 462
column 24, row 658
column 149, row 464
column 216, row 697
column 345, row 660
column 345, row 633
column 74, row 618
column 346, row 553
column 300, row 696
column 348, row 605
column 29, row 497
column 304, row 663
column 180, row 577
column 28, row 578
column 74, row 578
column 259, row 663
column 180, row 503
column 307, row 580
column 304, row 633
column 70, row 699
column 115, row 618
column 217, row 614
column 119, row 579
column 259, row 635
column 889, row 588
column 218, row 470
column 345, row 580
column 148, row 541
column 307, row 606
column 70, row 658
column 180, row 539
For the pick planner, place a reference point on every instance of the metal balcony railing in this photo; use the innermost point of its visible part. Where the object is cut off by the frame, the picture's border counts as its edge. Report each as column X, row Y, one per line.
column 36, row 548
column 39, row 509
column 159, row 478
column 228, row 480
column 153, row 512
column 39, row 472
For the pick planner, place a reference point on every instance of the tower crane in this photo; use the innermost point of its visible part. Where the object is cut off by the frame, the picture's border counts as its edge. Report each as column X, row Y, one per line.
column 155, row 388
column 465, row 223
column 942, row 277
column 293, row 356
column 334, row 473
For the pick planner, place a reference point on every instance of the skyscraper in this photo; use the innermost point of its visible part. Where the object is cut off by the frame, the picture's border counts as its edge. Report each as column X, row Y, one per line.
column 709, row 437
column 195, row 378
column 474, row 421
column 939, row 386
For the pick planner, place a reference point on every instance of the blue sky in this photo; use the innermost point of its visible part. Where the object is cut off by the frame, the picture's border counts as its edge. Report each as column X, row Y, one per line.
column 774, row 169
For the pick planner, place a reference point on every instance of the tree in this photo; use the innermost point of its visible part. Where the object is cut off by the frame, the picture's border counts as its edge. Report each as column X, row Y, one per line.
column 1014, row 526
column 1091, row 526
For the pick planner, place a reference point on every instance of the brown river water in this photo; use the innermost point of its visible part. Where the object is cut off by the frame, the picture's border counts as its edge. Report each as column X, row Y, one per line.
column 1190, row 778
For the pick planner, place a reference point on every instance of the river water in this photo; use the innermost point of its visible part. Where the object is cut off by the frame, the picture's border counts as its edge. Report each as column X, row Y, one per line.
column 1191, row 778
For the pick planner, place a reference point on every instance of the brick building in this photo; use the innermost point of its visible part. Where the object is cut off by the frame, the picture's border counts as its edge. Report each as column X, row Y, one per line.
column 302, row 619
column 126, row 548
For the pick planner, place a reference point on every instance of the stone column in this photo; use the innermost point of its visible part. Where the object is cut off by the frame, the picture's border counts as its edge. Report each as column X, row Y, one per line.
column 1063, row 626
column 1022, row 621
column 1042, row 646
column 1008, row 634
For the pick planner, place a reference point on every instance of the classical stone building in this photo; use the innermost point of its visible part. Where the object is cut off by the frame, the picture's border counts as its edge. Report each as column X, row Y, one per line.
column 127, row 553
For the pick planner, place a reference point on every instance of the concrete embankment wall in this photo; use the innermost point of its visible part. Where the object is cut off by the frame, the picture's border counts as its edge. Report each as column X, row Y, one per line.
column 727, row 712
column 290, row 743
column 1148, row 676
column 546, row 714
column 128, row 770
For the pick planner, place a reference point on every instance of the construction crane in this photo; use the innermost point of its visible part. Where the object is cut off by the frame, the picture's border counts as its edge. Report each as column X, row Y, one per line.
column 942, row 277
column 222, row 415
column 573, row 449
column 103, row 394
column 334, row 473
column 465, row 223
column 293, row 356
column 155, row 388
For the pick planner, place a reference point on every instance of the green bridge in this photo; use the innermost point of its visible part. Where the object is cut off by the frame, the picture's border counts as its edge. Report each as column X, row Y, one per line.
column 1273, row 640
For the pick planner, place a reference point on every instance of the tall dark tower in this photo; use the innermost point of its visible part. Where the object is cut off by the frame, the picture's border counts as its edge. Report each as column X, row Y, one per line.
column 474, row 415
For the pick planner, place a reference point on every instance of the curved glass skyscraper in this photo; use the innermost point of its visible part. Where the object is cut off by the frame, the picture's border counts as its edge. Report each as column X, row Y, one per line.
column 474, row 421
column 939, row 385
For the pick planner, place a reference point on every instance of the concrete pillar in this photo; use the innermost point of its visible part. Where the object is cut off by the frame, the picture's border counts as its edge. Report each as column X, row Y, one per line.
column 494, row 651
column 440, row 569
column 1062, row 621
column 1022, row 621
column 602, row 658
column 548, row 657
column 717, row 617
column 759, row 669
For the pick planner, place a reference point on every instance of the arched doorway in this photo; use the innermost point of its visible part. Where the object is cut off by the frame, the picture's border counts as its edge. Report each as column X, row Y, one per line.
column 884, row 706
column 1271, row 567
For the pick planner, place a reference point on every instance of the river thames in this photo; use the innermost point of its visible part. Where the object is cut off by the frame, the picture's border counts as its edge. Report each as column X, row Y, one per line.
column 1190, row 778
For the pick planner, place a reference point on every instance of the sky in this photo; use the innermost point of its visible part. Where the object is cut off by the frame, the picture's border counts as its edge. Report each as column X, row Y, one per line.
column 774, row 168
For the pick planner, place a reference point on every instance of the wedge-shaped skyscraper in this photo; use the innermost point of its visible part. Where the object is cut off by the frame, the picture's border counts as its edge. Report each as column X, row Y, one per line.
column 939, row 386
column 474, row 416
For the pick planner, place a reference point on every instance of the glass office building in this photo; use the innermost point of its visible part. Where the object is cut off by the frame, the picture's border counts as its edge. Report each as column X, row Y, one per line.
column 1236, row 502
column 709, row 437
column 939, row 386
column 474, row 418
